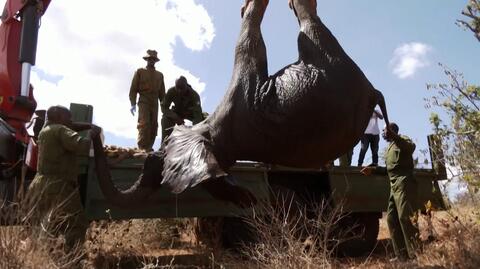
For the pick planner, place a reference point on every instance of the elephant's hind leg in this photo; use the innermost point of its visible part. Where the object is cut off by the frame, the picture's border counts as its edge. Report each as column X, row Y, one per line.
column 316, row 43
column 313, row 4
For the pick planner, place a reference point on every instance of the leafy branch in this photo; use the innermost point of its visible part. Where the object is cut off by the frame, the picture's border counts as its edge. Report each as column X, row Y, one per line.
column 472, row 11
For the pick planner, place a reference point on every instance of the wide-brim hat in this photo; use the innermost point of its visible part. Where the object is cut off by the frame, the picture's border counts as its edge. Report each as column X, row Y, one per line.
column 151, row 54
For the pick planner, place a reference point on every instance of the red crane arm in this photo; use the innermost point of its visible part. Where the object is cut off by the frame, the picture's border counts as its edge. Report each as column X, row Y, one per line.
column 18, row 36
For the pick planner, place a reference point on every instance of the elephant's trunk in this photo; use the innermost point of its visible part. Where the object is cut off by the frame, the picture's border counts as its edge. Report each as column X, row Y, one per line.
column 139, row 192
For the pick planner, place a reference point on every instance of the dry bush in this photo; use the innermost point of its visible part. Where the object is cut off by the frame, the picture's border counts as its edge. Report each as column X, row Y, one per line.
column 109, row 244
column 125, row 235
column 292, row 235
column 458, row 242
column 137, row 243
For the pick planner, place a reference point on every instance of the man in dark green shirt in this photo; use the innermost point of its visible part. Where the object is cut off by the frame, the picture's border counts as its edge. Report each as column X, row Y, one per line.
column 402, row 204
column 181, row 102
column 54, row 191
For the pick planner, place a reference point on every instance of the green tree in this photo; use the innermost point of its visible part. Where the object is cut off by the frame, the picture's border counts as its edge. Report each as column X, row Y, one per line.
column 472, row 12
column 458, row 124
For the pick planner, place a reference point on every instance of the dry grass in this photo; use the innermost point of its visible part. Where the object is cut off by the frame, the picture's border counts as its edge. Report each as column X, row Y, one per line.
column 291, row 235
column 23, row 245
column 456, row 243
column 285, row 238
column 138, row 243
column 109, row 244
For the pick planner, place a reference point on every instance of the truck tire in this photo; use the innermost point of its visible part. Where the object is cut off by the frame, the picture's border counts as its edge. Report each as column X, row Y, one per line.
column 224, row 232
column 8, row 209
column 361, row 232
column 7, row 190
column 208, row 231
column 237, row 232
column 284, row 197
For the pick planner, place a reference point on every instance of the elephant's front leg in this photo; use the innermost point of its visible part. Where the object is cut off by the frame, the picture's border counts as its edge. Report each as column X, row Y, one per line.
column 248, row 2
column 250, row 52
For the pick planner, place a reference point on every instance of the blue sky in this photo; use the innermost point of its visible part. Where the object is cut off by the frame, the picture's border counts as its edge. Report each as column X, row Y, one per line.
column 397, row 44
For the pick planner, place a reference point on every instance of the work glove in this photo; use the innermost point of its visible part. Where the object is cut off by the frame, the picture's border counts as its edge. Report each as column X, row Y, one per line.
column 95, row 130
column 133, row 109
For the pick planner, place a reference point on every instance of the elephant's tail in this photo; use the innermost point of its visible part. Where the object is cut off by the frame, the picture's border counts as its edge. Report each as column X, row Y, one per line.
column 188, row 160
column 383, row 106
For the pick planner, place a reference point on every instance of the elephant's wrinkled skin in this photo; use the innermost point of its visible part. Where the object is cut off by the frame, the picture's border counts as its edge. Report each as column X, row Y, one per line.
column 306, row 114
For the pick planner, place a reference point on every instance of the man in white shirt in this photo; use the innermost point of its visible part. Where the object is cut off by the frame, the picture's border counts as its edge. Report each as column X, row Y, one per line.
column 371, row 137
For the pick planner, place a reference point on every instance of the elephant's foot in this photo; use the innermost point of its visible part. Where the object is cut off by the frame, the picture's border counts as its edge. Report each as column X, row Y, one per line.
column 260, row 3
column 303, row 6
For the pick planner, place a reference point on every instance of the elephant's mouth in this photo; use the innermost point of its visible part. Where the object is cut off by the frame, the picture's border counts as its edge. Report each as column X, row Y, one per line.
column 140, row 191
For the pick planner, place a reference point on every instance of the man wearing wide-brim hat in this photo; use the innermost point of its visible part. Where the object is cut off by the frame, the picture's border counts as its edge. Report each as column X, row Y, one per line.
column 148, row 84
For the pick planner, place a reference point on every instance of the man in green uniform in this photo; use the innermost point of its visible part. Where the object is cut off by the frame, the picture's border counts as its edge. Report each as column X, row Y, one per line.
column 186, row 105
column 149, row 85
column 402, row 204
column 54, row 190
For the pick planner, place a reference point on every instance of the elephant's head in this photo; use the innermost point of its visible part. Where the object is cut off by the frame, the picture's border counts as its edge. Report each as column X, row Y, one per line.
column 144, row 188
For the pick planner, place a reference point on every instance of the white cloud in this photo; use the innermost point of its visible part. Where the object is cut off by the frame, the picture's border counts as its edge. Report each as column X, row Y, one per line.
column 454, row 187
column 409, row 58
column 96, row 46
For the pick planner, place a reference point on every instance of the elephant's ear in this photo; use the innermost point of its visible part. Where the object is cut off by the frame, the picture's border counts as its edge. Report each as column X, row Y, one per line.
column 188, row 160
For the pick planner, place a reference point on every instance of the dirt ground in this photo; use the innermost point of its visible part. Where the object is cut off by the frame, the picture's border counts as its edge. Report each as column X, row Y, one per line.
column 162, row 243
column 172, row 243
column 136, row 243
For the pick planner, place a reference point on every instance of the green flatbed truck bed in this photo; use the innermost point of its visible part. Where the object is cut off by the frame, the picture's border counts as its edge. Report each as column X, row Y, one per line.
column 344, row 185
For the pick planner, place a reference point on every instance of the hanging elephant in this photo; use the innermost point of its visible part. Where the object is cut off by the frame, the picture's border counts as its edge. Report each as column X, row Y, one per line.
column 304, row 115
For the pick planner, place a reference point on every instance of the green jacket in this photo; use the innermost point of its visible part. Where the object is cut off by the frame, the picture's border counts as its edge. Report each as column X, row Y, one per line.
column 58, row 147
column 149, row 84
column 54, row 190
column 399, row 158
column 184, row 105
